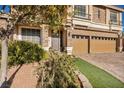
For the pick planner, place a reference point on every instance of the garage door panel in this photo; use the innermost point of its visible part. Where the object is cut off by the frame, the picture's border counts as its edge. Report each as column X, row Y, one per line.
column 80, row 46
column 94, row 45
column 103, row 46
column 112, row 45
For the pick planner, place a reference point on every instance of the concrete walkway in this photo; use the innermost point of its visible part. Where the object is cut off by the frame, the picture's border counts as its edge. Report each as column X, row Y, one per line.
column 110, row 62
column 22, row 77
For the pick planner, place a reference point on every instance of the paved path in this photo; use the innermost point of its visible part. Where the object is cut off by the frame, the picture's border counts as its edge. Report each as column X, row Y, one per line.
column 110, row 62
column 22, row 77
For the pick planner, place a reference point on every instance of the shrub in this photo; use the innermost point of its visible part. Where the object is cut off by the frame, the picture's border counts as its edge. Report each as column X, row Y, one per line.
column 21, row 52
column 57, row 72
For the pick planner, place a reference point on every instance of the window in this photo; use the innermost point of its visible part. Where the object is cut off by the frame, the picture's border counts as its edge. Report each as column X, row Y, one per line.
column 106, row 38
column 102, row 38
column 80, row 10
column 99, row 38
column 82, row 37
column 73, row 36
column 86, row 37
column 96, row 37
column 98, row 13
column 113, row 17
column 92, row 37
column 77, row 36
column 31, row 35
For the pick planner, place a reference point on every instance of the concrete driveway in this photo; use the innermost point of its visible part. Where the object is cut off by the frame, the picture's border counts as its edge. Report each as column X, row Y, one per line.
column 110, row 62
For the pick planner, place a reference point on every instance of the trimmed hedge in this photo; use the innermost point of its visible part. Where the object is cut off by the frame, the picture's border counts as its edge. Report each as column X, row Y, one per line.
column 21, row 52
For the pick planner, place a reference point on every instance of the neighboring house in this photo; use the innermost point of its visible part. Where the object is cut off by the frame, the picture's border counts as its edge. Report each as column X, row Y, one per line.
column 92, row 29
column 123, row 40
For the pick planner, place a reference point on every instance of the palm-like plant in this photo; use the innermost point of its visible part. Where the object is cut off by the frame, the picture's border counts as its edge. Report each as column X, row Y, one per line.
column 57, row 72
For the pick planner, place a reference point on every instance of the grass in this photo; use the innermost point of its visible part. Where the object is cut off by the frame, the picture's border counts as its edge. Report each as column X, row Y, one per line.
column 98, row 77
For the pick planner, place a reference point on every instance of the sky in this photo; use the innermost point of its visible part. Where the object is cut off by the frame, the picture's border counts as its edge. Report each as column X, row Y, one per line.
column 7, row 9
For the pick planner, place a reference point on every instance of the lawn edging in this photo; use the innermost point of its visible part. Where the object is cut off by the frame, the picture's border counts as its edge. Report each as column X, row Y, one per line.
column 85, row 82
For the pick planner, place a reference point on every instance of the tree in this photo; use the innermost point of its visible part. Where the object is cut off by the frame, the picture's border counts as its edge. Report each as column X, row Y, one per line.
column 52, row 15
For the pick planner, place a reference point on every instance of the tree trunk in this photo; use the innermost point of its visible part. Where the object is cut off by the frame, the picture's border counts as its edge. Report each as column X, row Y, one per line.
column 4, row 52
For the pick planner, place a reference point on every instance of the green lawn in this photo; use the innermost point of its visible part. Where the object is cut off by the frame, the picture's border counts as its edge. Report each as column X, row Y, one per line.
column 98, row 77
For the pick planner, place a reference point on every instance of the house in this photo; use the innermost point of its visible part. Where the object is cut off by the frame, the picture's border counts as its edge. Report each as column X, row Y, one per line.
column 95, row 29
column 123, row 44
column 92, row 29
column 123, row 41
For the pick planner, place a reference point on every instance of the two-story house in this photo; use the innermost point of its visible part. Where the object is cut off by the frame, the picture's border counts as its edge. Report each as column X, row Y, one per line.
column 90, row 29
column 94, row 29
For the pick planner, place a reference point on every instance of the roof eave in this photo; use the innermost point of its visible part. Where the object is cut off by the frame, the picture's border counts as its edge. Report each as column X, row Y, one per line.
column 115, row 8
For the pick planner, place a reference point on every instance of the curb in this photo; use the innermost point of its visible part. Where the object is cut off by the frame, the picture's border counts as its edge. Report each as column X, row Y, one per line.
column 84, row 80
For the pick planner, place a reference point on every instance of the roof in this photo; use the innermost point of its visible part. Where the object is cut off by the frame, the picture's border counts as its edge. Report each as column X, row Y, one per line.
column 115, row 7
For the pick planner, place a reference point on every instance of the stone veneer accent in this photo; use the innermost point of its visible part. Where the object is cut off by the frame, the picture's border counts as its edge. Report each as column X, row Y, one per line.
column 44, row 37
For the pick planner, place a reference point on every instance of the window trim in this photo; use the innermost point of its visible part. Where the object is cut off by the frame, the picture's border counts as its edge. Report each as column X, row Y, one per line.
column 112, row 21
column 98, row 13
column 19, row 34
column 86, row 12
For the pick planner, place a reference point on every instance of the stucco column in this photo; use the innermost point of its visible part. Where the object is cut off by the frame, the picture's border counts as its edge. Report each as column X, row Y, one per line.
column 44, row 37
column 89, row 45
column 69, row 29
column 120, row 47
column 107, row 16
column 120, row 18
column 69, row 41
column 91, row 12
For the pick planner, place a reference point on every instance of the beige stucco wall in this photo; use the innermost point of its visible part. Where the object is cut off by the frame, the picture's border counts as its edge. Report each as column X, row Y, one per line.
column 94, row 33
column 102, row 17
column 102, row 23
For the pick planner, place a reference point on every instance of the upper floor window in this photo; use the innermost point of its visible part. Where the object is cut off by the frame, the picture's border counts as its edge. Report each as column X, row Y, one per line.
column 98, row 13
column 113, row 17
column 80, row 10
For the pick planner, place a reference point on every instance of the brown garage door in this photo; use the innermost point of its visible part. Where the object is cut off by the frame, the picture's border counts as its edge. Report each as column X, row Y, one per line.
column 80, row 44
column 102, row 45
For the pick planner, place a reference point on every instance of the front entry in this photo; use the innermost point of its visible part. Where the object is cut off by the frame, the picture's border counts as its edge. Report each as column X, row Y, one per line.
column 57, row 40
